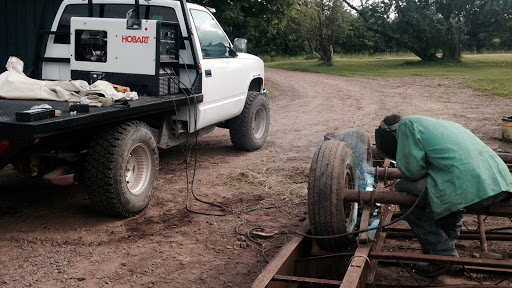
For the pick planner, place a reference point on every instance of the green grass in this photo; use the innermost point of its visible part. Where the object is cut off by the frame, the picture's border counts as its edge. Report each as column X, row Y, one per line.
column 491, row 73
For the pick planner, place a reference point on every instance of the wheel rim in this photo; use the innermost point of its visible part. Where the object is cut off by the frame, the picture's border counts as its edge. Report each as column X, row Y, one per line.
column 350, row 207
column 137, row 169
column 258, row 122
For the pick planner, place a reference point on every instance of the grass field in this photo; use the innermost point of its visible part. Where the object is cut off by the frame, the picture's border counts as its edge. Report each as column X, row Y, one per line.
column 491, row 73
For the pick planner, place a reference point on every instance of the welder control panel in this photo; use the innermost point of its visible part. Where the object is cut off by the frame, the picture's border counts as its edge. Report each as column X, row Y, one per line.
column 107, row 45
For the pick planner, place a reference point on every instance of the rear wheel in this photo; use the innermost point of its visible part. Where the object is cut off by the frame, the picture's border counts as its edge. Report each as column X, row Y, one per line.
column 332, row 172
column 121, row 169
column 248, row 131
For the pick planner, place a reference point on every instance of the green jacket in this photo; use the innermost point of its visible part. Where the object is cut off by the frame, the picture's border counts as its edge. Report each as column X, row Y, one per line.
column 461, row 169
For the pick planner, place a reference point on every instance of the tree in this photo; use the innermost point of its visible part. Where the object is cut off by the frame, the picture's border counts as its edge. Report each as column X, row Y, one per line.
column 254, row 20
column 488, row 25
column 426, row 27
column 326, row 26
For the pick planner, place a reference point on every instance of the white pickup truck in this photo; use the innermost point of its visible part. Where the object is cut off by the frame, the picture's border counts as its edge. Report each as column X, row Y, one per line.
column 190, row 79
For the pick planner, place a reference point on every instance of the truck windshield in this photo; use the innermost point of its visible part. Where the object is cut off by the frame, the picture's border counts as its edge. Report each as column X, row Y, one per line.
column 110, row 11
column 214, row 43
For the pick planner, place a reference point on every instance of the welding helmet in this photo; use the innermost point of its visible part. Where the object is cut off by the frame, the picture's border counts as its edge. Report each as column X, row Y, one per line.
column 385, row 140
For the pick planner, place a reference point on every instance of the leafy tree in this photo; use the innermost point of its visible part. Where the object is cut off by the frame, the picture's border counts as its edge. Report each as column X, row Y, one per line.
column 326, row 25
column 426, row 27
column 255, row 20
column 488, row 25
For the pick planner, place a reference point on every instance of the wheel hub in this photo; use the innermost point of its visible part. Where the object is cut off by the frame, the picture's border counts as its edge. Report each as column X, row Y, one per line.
column 137, row 169
column 258, row 122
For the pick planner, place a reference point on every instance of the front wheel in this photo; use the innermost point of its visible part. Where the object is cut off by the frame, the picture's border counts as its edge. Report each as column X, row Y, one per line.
column 121, row 169
column 248, row 131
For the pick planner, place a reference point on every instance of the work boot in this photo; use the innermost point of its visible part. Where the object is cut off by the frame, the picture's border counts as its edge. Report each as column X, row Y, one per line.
column 432, row 270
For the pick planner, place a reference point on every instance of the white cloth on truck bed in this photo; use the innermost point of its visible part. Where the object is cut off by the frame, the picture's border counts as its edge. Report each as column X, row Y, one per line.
column 14, row 84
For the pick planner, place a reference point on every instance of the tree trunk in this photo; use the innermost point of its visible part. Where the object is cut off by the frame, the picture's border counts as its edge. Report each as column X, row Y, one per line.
column 312, row 46
column 453, row 42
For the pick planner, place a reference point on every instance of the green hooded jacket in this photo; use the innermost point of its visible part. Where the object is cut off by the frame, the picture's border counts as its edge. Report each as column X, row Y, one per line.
column 461, row 169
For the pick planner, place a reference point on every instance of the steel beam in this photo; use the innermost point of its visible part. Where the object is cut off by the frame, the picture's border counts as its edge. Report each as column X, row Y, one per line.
column 355, row 276
column 415, row 257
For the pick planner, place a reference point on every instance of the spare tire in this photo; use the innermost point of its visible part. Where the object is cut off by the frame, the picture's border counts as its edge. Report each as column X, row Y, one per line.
column 332, row 172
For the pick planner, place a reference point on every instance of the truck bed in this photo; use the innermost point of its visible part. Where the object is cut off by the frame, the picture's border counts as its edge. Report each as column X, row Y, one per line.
column 22, row 134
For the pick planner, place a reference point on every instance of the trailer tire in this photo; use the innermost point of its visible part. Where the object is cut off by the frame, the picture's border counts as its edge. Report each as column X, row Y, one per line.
column 248, row 131
column 332, row 171
column 121, row 169
column 359, row 142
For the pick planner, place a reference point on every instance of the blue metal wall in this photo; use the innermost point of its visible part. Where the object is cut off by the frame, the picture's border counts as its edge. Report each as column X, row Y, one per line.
column 20, row 23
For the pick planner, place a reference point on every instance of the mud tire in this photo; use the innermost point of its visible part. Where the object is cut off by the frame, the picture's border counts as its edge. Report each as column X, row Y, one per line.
column 332, row 171
column 121, row 169
column 248, row 131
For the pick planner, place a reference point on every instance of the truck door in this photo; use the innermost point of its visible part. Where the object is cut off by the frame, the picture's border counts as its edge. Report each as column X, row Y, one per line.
column 224, row 78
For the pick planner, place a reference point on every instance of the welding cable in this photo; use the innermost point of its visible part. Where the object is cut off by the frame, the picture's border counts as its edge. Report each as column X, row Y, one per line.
column 190, row 186
column 259, row 243
column 248, row 235
column 366, row 230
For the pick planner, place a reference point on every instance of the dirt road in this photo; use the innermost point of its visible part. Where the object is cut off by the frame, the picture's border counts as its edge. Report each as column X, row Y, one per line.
column 52, row 238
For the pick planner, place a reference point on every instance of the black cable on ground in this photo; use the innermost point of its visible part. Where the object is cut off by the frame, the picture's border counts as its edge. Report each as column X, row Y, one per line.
column 190, row 184
column 248, row 235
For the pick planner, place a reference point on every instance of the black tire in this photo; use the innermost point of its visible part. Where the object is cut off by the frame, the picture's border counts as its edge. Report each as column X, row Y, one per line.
column 121, row 169
column 248, row 131
column 359, row 143
column 332, row 171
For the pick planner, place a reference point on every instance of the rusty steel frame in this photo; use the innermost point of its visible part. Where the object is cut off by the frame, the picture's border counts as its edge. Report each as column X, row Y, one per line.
column 301, row 254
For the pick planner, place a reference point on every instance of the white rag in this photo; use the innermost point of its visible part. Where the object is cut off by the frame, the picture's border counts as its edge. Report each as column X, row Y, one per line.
column 14, row 84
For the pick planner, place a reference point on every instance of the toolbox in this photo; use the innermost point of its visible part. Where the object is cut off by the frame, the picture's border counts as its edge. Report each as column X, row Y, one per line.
column 34, row 115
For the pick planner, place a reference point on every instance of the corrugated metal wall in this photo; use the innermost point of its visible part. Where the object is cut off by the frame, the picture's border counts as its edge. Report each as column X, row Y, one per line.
column 20, row 23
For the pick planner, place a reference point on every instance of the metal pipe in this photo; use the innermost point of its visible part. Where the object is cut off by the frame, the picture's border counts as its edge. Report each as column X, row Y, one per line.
column 89, row 8
column 483, row 241
column 59, row 177
column 398, row 198
column 503, row 208
column 408, row 234
column 190, row 37
column 137, row 9
column 60, row 181
column 415, row 257
column 411, row 235
column 387, row 173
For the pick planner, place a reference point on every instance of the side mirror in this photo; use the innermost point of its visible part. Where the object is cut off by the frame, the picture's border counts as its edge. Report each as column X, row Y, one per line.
column 240, row 45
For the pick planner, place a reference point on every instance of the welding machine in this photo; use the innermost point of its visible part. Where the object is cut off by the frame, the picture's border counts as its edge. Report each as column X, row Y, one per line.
column 144, row 57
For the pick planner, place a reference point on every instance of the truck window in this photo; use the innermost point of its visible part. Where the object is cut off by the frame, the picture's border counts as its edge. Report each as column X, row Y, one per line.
column 110, row 11
column 214, row 43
